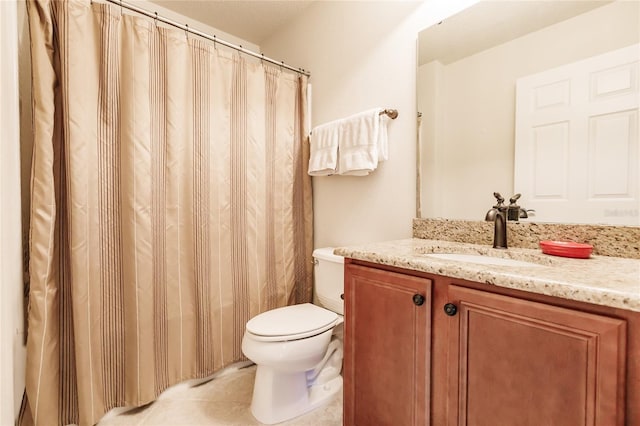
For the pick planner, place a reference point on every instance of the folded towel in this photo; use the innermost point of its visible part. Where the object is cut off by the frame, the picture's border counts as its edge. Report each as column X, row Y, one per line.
column 349, row 146
column 323, row 158
column 363, row 143
column 383, row 138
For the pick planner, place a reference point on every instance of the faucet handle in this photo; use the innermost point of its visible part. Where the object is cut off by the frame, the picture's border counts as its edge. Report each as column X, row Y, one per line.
column 499, row 199
column 513, row 212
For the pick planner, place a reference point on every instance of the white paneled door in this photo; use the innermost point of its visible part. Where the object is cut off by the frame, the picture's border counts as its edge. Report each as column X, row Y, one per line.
column 576, row 151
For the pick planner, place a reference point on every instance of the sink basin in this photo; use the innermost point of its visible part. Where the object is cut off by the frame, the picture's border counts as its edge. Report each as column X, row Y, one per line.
column 481, row 259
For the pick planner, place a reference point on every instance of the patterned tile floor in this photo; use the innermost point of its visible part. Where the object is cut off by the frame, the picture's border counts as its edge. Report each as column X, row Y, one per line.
column 222, row 401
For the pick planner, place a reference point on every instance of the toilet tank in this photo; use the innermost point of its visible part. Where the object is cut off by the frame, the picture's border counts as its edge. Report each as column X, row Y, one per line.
column 329, row 279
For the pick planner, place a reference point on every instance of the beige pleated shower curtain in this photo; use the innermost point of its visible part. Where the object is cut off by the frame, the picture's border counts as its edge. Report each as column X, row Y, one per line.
column 170, row 204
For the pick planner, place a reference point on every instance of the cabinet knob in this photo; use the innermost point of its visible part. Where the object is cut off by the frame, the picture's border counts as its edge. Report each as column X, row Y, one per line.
column 342, row 296
column 450, row 309
column 418, row 299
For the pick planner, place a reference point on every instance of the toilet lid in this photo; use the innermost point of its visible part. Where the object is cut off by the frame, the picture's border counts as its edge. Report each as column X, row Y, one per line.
column 292, row 320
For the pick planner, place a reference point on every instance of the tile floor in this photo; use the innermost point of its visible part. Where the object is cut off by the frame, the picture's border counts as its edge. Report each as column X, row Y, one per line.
column 222, row 401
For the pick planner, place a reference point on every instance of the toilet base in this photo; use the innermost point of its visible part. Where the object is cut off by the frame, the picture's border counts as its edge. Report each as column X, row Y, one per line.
column 280, row 396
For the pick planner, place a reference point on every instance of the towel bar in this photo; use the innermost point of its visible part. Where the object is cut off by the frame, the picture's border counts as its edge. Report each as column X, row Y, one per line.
column 392, row 113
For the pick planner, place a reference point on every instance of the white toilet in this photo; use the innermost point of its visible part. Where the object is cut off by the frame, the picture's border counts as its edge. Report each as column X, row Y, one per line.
column 297, row 353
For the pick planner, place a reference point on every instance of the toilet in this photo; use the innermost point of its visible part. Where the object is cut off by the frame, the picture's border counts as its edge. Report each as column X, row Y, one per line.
column 298, row 348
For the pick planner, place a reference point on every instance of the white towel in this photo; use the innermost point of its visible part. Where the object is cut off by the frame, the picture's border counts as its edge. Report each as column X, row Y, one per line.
column 349, row 146
column 383, row 137
column 323, row 156
column 363, row 143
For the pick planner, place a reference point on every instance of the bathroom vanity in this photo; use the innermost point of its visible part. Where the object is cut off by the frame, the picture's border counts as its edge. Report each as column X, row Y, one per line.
column 529, row 340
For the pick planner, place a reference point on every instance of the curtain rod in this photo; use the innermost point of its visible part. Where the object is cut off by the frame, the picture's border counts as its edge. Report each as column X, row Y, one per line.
column 185, row 27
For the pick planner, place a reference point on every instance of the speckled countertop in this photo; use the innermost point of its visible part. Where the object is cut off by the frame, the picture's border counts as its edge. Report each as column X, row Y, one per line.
column 601, row 280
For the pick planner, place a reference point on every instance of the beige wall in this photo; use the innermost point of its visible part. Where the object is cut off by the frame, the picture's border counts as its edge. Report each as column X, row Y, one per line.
column 11, row 327
column 475, row 143
column 363, row 55
column 429, row 94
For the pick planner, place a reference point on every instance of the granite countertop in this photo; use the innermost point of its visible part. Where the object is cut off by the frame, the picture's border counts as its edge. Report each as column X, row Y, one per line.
column 601, row 280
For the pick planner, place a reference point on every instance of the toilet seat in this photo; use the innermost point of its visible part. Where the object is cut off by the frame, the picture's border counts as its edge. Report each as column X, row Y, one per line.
column 291, row 323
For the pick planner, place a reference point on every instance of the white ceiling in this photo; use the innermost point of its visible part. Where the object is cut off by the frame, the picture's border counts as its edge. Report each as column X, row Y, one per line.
column 490, row 23
column 495, row 21
column 253, row 21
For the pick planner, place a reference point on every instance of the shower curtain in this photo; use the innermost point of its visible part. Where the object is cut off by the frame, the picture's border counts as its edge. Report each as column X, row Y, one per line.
column 169, row 205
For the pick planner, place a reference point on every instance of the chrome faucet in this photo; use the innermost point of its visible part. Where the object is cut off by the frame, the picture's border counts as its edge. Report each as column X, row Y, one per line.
column 498, row 215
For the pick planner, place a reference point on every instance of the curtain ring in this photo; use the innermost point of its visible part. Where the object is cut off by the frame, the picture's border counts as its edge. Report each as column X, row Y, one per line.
column 215, row 42
column 121, row 10
column 241, row 59
column 281, row 65
column 186, row 31
column 155, row 20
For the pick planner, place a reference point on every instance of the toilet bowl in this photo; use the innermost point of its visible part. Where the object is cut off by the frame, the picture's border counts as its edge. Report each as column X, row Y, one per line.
column 297, row 353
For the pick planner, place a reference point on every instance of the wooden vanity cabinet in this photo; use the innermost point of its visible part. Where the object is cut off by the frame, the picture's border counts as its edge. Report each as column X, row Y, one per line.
column 493, row 356
column 515, row 362
column 386, row 348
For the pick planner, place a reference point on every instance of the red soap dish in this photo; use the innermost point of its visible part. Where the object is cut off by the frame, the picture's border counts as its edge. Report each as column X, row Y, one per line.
column 566, row 249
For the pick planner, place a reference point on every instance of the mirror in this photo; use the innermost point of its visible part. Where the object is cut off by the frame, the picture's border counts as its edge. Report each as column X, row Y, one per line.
column 468, row 69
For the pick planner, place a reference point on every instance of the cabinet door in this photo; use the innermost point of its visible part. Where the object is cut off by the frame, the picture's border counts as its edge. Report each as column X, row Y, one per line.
column 516, row 362
column 386, row 355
